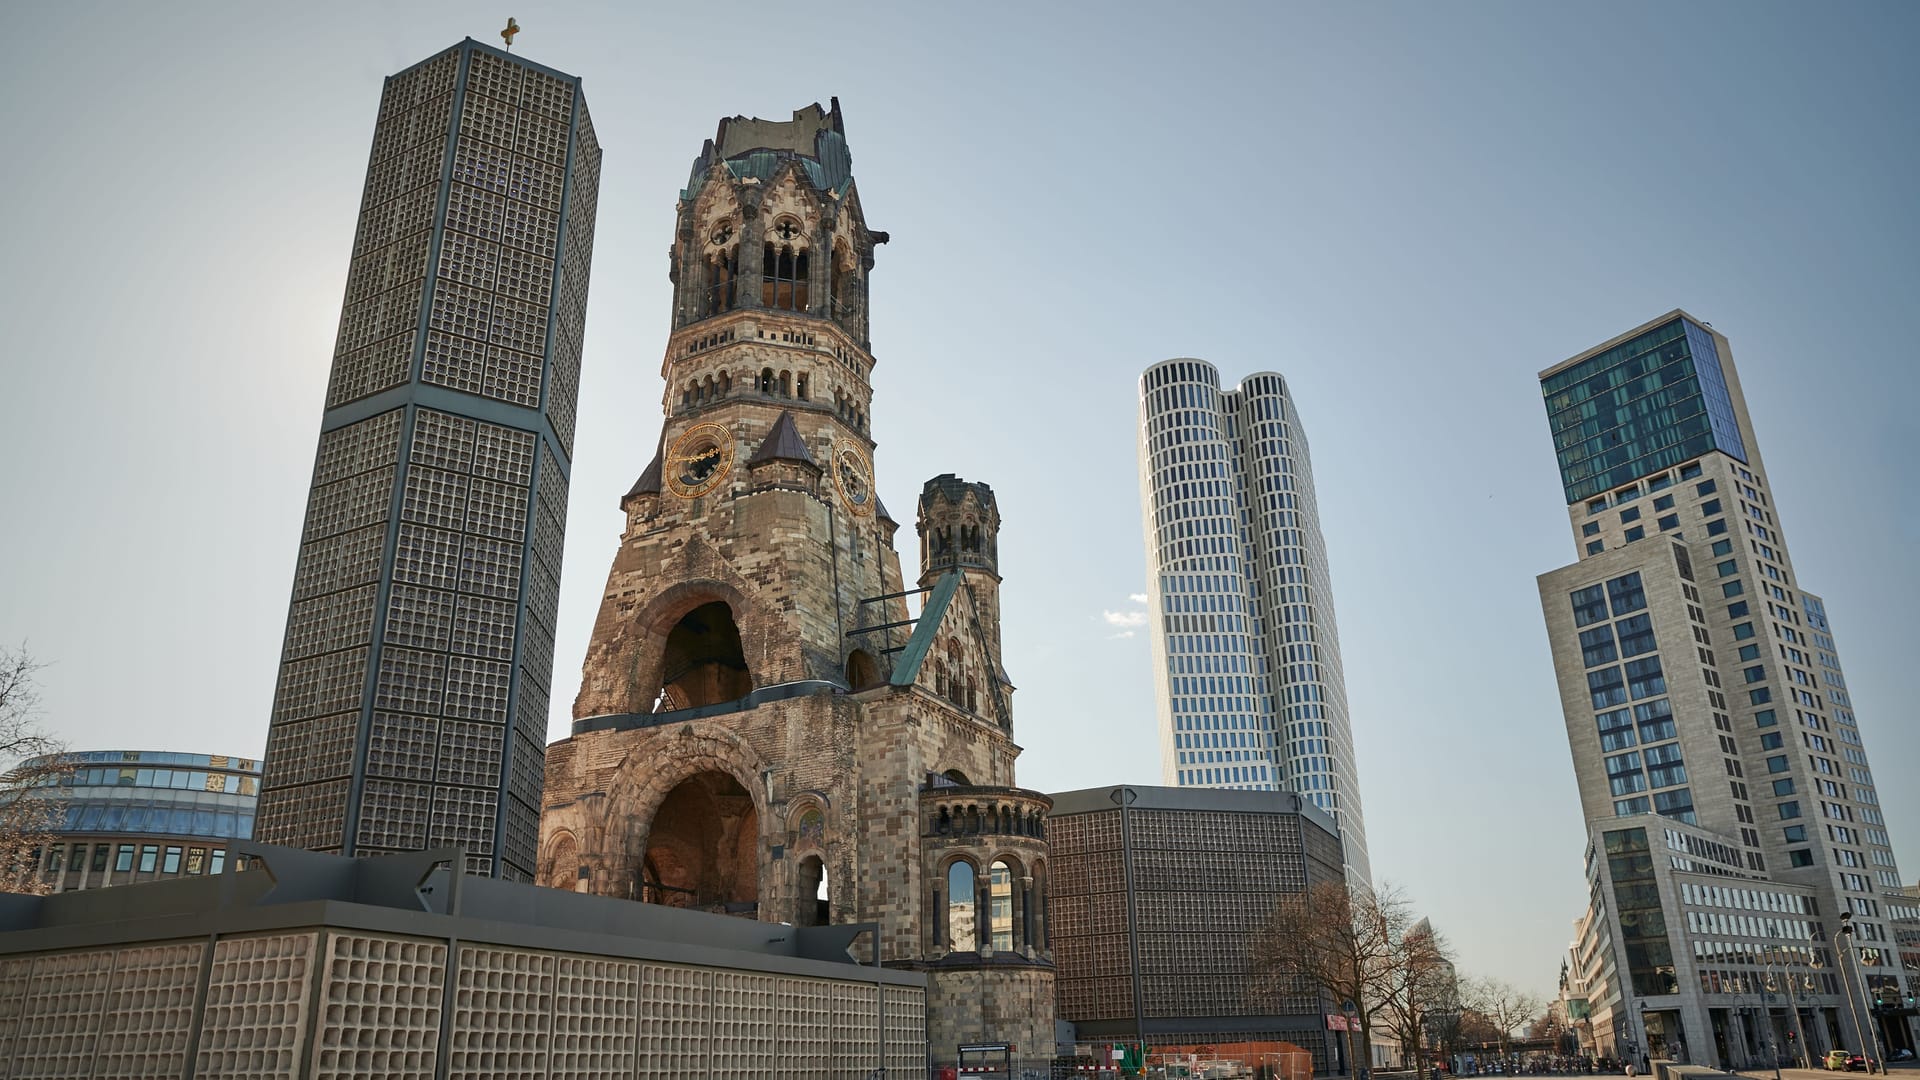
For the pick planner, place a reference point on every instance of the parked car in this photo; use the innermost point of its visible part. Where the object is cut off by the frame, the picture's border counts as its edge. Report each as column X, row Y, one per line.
column 1836, row 1060
column 1845, row 1061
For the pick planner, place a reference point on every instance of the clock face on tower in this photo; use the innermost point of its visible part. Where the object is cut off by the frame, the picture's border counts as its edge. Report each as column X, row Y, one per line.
column 699, row 460
column 854, row 477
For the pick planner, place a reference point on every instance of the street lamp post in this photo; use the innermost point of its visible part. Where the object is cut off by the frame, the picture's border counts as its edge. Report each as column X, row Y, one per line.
column 1869, row 1039
column 1740, row 1031
column 1796, row 1031
column 1646, row 1037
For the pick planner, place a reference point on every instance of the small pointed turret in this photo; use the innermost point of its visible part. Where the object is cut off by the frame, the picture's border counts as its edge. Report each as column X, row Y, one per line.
column 783, row 460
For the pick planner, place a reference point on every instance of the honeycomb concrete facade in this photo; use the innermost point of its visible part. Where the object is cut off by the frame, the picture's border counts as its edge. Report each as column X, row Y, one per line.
column 411, row 709
column 1207, row 867
column 328, row 967
column 766, row 727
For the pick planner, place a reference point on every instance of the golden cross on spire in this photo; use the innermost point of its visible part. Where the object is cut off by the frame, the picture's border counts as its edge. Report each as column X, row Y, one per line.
column 512, row 29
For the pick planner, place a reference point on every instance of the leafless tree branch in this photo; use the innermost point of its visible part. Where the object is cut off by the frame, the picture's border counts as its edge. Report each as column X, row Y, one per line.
column 32, row 801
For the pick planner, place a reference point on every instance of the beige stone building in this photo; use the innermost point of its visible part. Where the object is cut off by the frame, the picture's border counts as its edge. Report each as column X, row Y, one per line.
column 1714, row 740
column 766, row 726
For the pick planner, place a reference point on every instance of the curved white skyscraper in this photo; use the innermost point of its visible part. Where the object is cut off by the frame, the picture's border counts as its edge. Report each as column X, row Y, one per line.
column 1246, row 657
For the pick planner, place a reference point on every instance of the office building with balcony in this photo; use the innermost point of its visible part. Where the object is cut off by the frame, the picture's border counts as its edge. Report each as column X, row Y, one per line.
column 1249, row 688
column 1704, row 699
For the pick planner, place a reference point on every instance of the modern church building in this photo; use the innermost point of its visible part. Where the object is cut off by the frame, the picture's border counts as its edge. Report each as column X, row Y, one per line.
column 1245, row 653
column 1736, row 843
column 411, row 710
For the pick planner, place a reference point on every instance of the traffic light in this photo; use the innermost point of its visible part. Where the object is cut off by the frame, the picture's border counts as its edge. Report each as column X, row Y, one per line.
column 1789, row 1036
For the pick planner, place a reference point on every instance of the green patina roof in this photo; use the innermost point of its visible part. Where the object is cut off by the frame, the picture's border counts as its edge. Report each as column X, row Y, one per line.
column 926, row 630
column 757, row 148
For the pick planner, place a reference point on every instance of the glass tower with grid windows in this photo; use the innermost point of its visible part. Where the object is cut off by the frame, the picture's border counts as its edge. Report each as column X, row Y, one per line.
column 411, row 709
column 1700, row 682
column 1246, row 656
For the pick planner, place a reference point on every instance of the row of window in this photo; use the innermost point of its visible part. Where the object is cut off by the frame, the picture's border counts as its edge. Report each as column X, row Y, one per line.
column 1691, row 470
column 1667, row 522
column 177, row 779
column 163, row 859
column 1258, row 777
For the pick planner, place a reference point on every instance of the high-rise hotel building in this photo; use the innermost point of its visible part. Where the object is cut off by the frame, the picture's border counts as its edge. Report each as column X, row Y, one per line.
column 1246, row 658
column 411, row 710
column 1716, row 749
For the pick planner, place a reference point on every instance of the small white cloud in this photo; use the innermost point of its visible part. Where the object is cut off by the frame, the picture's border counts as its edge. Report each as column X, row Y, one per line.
column 1125, row 618
column 1121, row 634
column 1138, row 598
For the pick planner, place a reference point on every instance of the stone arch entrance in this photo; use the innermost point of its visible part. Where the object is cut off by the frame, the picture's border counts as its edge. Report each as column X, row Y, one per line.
column 813, row 899
column 703, row 848
column 863, row 671
column 704, row 663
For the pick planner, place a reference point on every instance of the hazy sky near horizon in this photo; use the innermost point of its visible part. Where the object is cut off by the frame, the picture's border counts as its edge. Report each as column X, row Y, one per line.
column 1407, row 209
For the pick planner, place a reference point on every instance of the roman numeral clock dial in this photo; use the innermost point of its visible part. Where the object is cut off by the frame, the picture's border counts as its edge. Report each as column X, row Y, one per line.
column 854, row 477
column 699, row 460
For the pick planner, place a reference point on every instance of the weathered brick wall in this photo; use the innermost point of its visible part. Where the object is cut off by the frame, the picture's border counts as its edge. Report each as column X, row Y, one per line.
column 990, row 1005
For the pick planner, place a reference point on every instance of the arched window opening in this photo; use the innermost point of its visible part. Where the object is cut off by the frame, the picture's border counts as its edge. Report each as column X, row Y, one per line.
column 958, row 777
column 726, row 385
column 940, row 677
column 1000, row 905
column 704, row 662
column 813, row 901
column 972, row 703
column 863, row 673
column 962, row 908
column 800, row 386
column 707, row 389
column 766, row 380
column 783, row 267
column 839, row 280
column 702, row 848
column 786, row 384
column 723, row 268
column 562, row 863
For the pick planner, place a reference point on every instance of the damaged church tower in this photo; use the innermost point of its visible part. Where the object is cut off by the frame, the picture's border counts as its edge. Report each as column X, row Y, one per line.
column 765, row 726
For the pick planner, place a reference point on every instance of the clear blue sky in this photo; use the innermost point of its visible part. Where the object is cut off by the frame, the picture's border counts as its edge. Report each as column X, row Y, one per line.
column 1407, row 209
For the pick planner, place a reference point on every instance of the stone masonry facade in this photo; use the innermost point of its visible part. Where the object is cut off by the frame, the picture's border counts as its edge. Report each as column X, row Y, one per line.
column 765, row 726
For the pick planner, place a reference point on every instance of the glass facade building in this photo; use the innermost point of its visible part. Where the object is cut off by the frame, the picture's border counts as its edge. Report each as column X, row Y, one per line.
column 1648, row 403
column 142, row 815
column 1249, row 687
column 1700, row 682
column 411, row 710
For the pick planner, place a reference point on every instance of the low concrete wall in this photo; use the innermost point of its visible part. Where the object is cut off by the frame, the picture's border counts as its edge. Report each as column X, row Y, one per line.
column 215, row 978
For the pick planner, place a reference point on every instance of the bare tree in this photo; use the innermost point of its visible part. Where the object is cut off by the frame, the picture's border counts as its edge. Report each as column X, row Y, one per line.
column 1505, row 1005
column 1420, row 983
column 30, row 808
column 1343, row 946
